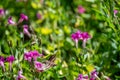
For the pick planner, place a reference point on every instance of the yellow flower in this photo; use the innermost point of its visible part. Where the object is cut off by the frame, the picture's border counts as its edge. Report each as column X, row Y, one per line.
column 46, row 31
column 90, row 68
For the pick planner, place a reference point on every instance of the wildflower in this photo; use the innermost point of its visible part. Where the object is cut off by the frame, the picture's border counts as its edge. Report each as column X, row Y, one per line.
column 85, row 37
column 38, row 15
column 32, row 55
column 10, row 21
column 39, row 66
column 93, row 75
column 10, row 59
column 115, row 12
column 28, row 56
column 81, row 9
column 22, row 18
column 81, row 77
column 2, row 12
column 2, row 62
column 35, row 54
column 25, row 30
column 76, row 36
column 20, row 76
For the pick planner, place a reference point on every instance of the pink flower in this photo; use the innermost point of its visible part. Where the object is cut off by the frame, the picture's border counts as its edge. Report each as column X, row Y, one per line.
column 35, row 54
column 94, row 72
column 20, row 76
column 32, row 55
column 2, row 62
column 81, row 9
column 25, row 30
column 10, row 21
column 22, row 18
column 81, row 77
column 39, row 66
column 76, row 36
column 10, row 59
column 38, row 15
column 2, row 12
column 84, row 36
column 93, row 75
column 115, row 12
column 28, row 56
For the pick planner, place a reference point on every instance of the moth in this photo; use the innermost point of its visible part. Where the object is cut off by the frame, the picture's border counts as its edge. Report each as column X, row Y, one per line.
column 50, row 62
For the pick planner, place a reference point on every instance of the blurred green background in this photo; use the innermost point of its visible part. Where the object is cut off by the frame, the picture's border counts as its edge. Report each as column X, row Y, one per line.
column 51, row 34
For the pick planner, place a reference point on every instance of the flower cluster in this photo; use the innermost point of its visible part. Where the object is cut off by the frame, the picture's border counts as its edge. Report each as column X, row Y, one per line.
column 84, row 36
column 93, row 76
column 39, row 66
column 9, row 59
column 23, row 17
column 32, row 57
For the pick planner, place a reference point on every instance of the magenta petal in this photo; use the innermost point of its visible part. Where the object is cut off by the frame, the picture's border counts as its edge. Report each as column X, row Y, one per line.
column 81, row 9
column 10, row 59
column 85, row 77
column 25, row 29
column 76, row 36
column 115, row 12
column 93, row 75
column 35, row 54
column 23, row 16
column 20, row 76
column 85, row 35
column 39, row 66
column 10, row 21
column 2, row 62
column 38, row 15
column 2, row 59
column 80, row 77
column 2, row 12
column 28, row 56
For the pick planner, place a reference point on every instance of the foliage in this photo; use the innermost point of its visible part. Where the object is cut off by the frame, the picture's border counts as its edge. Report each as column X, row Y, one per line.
column 51, row 35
